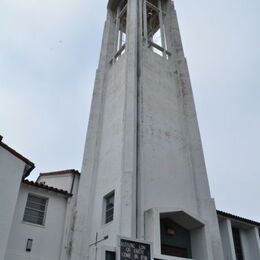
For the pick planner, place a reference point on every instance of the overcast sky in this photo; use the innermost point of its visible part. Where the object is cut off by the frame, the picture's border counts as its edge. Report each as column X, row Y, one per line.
column 48, row 56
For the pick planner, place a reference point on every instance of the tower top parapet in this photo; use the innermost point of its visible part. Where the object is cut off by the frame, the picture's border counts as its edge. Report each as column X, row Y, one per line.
column 112, row 4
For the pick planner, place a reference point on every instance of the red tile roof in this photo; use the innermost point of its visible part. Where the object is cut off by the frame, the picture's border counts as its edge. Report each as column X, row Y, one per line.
column 46, row 187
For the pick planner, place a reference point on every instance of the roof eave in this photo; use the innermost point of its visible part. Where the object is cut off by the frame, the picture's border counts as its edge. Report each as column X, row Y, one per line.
column 45, row 187
column 29, row 166
column 237, row 218
column 27, row 170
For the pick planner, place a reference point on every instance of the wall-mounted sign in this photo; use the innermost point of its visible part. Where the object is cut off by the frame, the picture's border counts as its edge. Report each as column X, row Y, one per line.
column 134, row 250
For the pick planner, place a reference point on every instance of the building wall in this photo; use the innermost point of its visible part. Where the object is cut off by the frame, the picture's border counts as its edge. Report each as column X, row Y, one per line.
column 11, row 172
column 69, row 221
column 165, row 166
column 249, row 237
column 250, row 243
column 171, row 160
column 47, row 239
column 109, row 161
column 63, row 182
column 171, row 169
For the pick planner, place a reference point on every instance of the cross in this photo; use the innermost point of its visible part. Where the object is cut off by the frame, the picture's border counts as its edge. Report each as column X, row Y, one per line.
column 96, row 242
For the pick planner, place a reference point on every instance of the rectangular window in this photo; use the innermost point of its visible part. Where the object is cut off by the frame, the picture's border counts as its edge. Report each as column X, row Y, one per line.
column 109, row 207
column 35, row 209
column 237, row 243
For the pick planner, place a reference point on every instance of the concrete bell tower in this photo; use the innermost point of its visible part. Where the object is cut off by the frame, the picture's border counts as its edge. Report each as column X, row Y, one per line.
column 143, row 173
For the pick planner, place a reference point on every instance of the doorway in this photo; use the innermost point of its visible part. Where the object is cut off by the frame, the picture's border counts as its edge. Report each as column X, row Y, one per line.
column 175, row 239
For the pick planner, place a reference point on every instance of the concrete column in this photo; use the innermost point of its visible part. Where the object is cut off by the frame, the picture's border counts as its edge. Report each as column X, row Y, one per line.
column 227, row 239
column 200, row 243
column 258, row 238
column 128, row 190
column 250, row 243
column 153, row 230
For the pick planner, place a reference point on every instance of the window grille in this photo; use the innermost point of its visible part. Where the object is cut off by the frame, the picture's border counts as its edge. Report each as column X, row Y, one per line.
column 35, row 210
column 109, row 207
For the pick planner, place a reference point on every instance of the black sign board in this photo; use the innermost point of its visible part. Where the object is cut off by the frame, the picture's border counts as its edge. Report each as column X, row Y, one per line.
column 133, row 250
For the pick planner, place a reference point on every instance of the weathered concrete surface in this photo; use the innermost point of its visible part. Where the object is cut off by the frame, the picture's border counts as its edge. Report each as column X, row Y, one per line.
column 250, row 243
column 110, row 154
column 143, row 142
column 227, row 239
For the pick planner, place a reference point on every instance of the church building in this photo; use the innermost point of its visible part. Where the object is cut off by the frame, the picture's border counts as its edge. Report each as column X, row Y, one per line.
column 143, row 191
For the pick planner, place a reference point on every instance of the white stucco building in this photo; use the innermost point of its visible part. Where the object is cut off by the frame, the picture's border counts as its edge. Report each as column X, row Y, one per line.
column 36, row 218
column 143, row 186
column 51, row 237
column 13, row 168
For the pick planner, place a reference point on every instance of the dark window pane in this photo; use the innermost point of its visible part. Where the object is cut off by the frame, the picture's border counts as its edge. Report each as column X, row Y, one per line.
column 174, row 251
column 33, row 213
column 110, row 255
column 35, row 209
column 237, row 244
column 35, row 199
column 34, row 205
column 109, row 209
column 175, row 239
column 32, row 219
